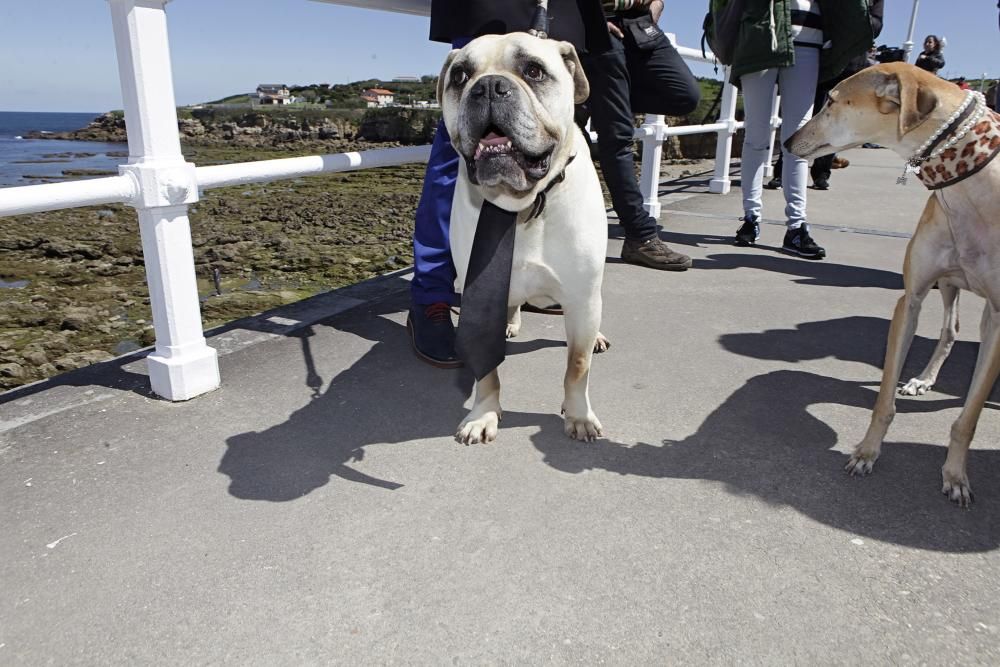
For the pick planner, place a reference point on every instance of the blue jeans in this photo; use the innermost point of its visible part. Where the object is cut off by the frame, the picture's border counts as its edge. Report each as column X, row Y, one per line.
column 433, row 268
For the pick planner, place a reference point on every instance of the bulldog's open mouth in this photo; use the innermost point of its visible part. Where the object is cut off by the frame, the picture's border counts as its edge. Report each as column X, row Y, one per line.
column 498, row 157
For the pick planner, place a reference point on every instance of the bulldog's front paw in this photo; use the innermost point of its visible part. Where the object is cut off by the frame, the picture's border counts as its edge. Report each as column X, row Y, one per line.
column 513, row 330
column 586, row 428
column 475, row 430
column 602, row 344
column 915, row 387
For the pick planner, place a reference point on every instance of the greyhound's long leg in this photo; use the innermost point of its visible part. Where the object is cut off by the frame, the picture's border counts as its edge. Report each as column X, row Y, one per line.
column 953, row 473
column 920, row 270
column 582, row 318
column 949, row 331
column 480, row 425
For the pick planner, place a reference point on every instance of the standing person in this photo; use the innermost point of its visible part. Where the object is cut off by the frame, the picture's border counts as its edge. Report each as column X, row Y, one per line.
column 930, row 58
column 794, row 44
column 432, row 292
column 822, row 167
column 641, row 73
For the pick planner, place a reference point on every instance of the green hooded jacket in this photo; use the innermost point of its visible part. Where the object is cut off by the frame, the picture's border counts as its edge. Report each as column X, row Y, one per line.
column 765, row 38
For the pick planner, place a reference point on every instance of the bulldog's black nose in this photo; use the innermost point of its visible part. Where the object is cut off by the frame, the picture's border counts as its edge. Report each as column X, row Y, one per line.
column 492, row 87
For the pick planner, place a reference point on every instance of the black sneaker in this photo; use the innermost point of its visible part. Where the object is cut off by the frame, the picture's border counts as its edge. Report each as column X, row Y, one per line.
column 432, row 334
column 799, row 242
column 773, row 184
column 749, row 231
column 821, row 184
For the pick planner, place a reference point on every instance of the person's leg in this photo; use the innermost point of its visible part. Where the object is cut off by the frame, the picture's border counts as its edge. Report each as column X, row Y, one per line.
column 758, row 93
column 798, row 86
column 661, row 81
column 823, row 165
column 611, row 117
column 432, row 290
column 775, row 182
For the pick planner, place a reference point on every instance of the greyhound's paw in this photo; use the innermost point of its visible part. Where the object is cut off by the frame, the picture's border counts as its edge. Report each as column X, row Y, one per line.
column 956, row 487
column 862, row 461
column 473, row 431
column 586, row 428
column 513, row 330
column 915, row 387
column 602, row 344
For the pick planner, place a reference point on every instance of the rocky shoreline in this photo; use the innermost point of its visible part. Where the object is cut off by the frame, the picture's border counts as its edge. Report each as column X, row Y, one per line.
column 72, row 282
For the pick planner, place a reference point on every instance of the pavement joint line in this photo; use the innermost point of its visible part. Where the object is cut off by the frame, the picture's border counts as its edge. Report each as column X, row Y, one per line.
column 812, row 225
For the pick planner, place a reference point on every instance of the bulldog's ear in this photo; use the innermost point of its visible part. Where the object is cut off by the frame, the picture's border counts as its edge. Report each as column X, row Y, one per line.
column 581, row 87
column 902, row 92
column 443, row 76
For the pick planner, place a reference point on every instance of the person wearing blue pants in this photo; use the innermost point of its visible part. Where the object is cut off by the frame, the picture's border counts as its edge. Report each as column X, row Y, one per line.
column 581, row 22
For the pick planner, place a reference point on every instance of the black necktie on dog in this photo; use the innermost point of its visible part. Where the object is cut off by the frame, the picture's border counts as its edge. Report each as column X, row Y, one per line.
column 481, row 340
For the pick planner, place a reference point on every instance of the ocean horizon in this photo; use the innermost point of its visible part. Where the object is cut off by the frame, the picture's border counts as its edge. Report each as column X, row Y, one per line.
column 29, row 161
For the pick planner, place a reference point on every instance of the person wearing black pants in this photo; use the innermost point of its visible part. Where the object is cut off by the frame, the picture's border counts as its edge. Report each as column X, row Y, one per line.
column 641, row 73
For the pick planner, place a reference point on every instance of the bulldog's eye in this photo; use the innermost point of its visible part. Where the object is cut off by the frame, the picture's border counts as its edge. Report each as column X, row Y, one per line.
column 459, row 76
column 534, row 72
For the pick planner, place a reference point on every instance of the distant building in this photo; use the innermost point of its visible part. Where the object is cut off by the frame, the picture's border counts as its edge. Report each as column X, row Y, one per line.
column 378, row 97
column 268, row 93
column 407, row 79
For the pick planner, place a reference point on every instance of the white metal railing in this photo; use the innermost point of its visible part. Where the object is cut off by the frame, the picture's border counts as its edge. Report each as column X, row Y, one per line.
column 160, row 185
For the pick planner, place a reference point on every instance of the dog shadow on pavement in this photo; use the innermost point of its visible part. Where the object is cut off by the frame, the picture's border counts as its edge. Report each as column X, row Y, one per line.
column 385, row 397
column 765, row 440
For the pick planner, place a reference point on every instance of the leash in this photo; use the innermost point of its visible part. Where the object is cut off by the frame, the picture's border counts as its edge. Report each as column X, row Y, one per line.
column 540, row 22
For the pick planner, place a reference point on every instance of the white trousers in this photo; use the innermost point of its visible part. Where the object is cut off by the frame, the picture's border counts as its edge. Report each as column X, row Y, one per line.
column 797, row 87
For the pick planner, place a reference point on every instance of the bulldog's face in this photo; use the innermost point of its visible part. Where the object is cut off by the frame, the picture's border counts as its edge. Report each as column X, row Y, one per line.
column 508, row 105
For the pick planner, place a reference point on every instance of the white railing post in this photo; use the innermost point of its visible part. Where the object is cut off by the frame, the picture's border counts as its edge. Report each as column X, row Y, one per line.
column 654, row 129
column 721, row 183
column 182, row 366
column 775, row 124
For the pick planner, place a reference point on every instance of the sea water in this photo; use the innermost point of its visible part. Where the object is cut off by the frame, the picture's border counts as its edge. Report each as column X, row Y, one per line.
column 29, row 161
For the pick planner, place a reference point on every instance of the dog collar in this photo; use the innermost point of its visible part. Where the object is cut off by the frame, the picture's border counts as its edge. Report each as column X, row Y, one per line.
column 942, row 141
column 539, row 205
column 975, row 149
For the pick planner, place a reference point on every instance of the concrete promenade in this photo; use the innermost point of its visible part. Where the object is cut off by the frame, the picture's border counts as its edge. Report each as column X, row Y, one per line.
column 316, row 510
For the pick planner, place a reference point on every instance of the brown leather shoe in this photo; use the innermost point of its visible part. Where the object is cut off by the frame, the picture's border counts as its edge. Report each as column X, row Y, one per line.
column 840, row 162
column 655, row 254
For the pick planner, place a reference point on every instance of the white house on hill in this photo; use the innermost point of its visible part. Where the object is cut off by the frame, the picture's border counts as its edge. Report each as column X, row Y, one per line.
column 269, row 93
column 378, row 97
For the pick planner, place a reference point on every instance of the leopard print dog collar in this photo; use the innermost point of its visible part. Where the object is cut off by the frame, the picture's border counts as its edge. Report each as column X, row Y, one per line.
column 969, row 155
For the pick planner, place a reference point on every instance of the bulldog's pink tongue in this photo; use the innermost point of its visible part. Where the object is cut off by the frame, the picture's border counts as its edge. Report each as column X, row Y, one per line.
column 493, row 139
column 493, row 144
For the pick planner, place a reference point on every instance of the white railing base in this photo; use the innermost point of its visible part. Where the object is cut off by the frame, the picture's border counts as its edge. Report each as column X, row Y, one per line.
column 720, row 186
column 182, row 378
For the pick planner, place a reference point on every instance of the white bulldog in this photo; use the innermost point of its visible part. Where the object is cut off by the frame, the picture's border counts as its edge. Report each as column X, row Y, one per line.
column 508, row 104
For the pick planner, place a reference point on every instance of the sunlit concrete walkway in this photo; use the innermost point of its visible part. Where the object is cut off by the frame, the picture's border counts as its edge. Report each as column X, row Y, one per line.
column 316, row 510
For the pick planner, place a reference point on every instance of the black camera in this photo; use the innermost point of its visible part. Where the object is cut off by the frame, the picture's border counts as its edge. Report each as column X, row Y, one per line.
column 890, row 54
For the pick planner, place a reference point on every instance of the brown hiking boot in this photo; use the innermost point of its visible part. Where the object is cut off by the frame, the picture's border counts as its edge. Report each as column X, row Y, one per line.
column 655, row 254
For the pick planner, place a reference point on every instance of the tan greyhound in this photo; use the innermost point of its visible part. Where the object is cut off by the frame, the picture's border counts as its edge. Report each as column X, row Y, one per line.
column 949, row 139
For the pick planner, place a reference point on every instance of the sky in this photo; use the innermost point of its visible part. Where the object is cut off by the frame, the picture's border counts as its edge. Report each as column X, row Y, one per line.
column 58, row 55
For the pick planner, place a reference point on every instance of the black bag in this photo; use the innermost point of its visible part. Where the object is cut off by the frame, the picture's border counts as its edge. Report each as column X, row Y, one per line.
column 644, row 33
column 721, row 28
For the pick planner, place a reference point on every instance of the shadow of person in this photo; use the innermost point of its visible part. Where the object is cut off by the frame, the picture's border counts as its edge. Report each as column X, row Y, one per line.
column 826, row 274
column 763, row 441
column 385, row 397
